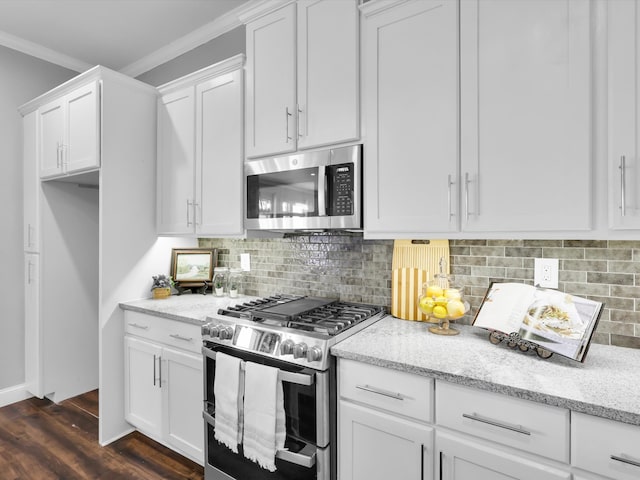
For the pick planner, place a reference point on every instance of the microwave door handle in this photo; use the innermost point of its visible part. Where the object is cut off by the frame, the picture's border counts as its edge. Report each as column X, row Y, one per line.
column 322, row 191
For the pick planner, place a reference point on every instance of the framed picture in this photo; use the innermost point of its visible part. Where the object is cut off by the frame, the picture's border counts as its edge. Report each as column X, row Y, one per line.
column 193, row 266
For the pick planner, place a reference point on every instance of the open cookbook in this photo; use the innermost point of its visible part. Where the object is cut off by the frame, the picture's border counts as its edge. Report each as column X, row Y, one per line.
column 556, row 321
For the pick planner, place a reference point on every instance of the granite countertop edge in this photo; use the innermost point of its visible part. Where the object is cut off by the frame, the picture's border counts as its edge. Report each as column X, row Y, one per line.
column 351, row 349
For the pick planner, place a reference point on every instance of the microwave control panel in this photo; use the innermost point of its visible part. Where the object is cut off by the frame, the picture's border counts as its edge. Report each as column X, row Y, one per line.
column 340, row 185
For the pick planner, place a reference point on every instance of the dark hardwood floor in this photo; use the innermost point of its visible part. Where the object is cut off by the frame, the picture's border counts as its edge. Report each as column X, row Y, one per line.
column 43, row 440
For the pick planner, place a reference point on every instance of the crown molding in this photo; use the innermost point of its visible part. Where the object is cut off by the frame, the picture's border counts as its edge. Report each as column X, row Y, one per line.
column 43, row 53
column 198, row 37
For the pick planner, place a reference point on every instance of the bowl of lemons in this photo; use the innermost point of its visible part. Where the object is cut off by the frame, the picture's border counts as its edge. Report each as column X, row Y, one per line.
column 442, row 301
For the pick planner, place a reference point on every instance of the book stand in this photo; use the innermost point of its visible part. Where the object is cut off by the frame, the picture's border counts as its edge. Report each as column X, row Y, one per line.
column 514, row 341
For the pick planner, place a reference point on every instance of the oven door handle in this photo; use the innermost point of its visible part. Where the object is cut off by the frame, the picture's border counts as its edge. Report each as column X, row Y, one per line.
column 305, row 457
column 283, row 375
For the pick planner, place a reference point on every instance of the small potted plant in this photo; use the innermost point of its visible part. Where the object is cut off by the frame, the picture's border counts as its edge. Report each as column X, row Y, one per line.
column 161, row 287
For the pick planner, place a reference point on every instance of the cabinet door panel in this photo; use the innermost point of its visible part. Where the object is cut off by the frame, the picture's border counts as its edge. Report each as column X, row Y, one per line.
column 142, row 393
column 176, row 162
column 464, row 459
column 624, row 101
column 327, row 72
column 183, row 396
column 271, row 74
column 51, row 138
column 82, row 146
column 219, row 156
column 411, row 116
column 377, row 446
column 525, row 115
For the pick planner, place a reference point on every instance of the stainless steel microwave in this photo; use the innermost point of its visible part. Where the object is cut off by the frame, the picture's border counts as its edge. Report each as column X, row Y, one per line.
column 306, row 191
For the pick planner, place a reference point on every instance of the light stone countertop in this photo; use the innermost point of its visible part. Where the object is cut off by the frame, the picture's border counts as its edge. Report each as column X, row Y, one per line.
column 606, row 385
column 188, row 307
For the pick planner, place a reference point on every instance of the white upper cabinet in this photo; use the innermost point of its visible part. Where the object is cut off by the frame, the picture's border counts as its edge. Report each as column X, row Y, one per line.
column 201, row 152
column 410, row 115
column 176, row 161
column 69, row 132
column 525, row 115
column 487, row 129
column 624, row 125
column 302, row 77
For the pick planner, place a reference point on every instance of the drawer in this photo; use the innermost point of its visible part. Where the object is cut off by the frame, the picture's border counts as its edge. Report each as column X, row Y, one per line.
column 530, row 426
column 605, row 447
column 398, row 392
column 174, row 333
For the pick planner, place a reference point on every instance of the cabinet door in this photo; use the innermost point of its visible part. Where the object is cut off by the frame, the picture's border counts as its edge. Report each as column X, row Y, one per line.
column 81, row 150
column 31, row 183
column 463, row 459
column 142, row 382
column 176, row 162
column 411, row 116
column 624, row 101
column 50, row 138
column 328, row 67
column 219, row 156
column 32, row 333
column 183, row 396
column 271, row 83
column 525, row 115
column 377, row 446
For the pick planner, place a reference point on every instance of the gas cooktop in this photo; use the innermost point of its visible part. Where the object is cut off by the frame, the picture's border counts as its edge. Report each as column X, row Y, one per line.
column 296, row 329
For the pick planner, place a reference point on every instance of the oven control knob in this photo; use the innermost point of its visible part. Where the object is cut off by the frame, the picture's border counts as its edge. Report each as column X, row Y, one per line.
column 286, row 347
column 314, row 354
column 226, row 333
column 300, row 350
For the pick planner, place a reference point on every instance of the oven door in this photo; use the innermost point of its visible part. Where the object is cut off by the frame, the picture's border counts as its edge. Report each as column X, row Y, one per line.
column 306, row 455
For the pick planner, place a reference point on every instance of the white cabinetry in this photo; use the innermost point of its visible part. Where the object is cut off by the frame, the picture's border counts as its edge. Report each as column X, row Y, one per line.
column 200, row 152
column 163, row 382
column 624, row 125
column 302, row 76
column 605, row 447
column 484, row 140
column 383, row 429
column 68, row 133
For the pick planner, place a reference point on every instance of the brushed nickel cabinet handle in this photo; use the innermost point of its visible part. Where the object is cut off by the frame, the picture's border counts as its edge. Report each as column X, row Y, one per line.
column 495, row 423
column 623, row 182
column 628, row 461
column 379, row 391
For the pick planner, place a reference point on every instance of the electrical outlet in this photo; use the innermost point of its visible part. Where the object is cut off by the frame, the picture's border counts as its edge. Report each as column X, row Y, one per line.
column 546, row 272
column 245, row 262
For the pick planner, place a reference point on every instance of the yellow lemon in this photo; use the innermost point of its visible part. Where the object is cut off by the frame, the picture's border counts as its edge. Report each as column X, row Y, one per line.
column 455, row 309
column 426, row 304
column 439, row 311
column 452, row 293
column 434, row 291
column 442, row 301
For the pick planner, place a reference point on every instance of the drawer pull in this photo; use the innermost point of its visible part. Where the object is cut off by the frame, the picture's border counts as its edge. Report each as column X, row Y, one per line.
column 628, row 461
column 136, row 325
column 513, row 428
column 368, row 388
column 180, row 337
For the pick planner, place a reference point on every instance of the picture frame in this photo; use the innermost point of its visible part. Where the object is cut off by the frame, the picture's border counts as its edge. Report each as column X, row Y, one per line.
column 193, row 267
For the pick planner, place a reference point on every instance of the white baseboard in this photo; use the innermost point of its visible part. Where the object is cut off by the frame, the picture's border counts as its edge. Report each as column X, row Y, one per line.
column 14, row 394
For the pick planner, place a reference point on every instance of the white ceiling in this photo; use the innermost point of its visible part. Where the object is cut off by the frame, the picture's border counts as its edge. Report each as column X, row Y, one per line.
column 131, row 36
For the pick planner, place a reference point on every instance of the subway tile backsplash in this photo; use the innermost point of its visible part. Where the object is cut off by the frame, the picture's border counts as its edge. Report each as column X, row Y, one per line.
column 347, row 266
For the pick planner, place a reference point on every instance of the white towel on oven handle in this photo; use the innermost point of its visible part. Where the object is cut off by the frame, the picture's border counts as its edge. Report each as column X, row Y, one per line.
column 228, row 390
column 264, row 417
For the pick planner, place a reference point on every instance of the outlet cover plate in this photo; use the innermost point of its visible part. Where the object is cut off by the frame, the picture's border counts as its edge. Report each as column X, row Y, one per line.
column 546, row 272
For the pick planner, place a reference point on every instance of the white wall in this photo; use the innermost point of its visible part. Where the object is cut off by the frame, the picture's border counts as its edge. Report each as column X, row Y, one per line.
column 22, row 78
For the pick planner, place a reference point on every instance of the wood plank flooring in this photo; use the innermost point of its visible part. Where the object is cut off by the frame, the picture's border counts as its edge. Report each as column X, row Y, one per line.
column 43, row 440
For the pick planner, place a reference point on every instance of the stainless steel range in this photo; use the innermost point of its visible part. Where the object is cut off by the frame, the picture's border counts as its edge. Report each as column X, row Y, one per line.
column 293, row 334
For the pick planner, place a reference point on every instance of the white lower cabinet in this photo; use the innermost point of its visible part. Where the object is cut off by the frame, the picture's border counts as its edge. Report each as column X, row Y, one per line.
column 163, row 382
column 464, row 458
column 379, row 446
